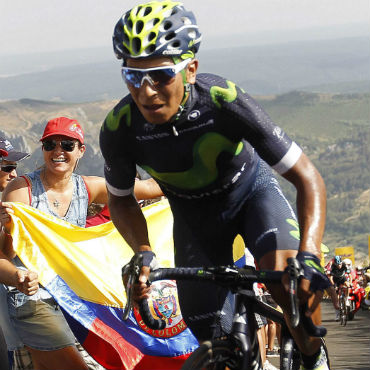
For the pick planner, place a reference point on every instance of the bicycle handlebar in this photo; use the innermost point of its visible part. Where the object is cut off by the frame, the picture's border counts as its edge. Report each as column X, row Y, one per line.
column 231, row 277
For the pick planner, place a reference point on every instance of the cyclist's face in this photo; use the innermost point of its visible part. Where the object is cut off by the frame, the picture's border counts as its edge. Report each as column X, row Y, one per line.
column 159, row 103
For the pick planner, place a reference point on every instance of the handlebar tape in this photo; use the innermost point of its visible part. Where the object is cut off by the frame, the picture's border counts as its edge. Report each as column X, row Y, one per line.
column 147, row 317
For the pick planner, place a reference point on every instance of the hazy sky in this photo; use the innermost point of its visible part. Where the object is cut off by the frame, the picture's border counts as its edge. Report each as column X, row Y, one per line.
column 48, row 25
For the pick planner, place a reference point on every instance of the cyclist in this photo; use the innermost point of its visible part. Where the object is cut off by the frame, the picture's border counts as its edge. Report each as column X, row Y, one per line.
column 339, row 278
column 210, row 147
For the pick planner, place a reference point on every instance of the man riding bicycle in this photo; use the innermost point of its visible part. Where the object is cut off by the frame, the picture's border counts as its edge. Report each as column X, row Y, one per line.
column 210, row 147
column 339, row 277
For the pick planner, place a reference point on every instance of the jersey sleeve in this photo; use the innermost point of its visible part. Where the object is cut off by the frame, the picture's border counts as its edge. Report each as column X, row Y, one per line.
column 252, row 123
column 119, row 166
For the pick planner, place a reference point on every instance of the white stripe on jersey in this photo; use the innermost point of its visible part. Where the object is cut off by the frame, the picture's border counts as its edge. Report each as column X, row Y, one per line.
column 289, row 159
column 119, row 192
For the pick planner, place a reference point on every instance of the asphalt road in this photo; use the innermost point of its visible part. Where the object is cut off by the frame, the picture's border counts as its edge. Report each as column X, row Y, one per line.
column 349, row 346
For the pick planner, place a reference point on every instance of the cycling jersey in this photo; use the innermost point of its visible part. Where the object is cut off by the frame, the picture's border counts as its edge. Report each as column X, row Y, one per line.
column 338, row 273
column 213, row 146
column 208, row 164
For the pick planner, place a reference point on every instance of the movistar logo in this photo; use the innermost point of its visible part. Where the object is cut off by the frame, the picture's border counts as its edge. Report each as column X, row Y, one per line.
column 113, row 119
column 314, row 265
column 204, row 170
column 296, row 235
column 219, row 93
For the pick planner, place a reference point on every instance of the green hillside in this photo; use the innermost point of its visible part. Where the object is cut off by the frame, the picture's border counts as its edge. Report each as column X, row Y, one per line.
column 334, row 131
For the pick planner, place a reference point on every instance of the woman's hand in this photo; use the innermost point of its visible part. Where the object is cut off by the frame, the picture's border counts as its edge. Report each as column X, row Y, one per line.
column 6, row 209
column 27, row 282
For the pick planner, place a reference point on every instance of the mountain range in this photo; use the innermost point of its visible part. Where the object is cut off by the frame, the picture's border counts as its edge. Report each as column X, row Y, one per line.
column 336, row 65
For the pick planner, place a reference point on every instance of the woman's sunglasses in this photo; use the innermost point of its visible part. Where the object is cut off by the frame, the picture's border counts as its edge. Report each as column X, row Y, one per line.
column 67, row 145
column 8, row 168
column 156, row 77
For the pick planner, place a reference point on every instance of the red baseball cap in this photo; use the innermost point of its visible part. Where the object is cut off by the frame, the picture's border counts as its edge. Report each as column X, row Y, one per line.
column 64, row 126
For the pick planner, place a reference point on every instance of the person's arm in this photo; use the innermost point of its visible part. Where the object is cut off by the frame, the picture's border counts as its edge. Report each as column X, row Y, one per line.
column 16, row 191
column 129, row 220
column 144, row 189
column 311, row 210
column 25, row 281
column 311, row 204
column 147, row 189
column 97, row 189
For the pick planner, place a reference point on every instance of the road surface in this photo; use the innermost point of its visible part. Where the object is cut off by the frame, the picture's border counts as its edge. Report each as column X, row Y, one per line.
column 349, row 346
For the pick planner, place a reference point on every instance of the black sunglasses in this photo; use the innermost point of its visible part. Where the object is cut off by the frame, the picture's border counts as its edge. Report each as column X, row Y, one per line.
column 9, row 168
column 67, row 145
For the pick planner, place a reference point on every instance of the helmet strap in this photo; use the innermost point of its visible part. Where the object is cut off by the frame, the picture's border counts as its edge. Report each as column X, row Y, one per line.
column 186, row 92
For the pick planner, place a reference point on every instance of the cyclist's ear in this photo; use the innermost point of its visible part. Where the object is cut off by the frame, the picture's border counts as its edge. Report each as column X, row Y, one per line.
column 191, row 71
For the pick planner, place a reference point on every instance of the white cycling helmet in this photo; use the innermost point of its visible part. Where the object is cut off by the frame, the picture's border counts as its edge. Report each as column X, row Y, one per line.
column 347, row 262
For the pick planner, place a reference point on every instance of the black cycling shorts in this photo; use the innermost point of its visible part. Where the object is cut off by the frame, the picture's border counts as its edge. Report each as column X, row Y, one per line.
column 204, row 237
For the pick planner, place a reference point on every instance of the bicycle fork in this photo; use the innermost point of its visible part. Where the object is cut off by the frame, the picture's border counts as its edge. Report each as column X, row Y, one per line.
column 244, row 333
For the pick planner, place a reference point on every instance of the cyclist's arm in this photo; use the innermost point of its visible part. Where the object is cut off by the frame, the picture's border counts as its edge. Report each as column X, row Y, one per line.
column 311, row 209
column 311, row 203
column 129, row 220
column 331, row 279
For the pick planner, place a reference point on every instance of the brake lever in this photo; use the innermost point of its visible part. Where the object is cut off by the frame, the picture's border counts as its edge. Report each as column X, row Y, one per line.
column 132, row 269
column 294, row 272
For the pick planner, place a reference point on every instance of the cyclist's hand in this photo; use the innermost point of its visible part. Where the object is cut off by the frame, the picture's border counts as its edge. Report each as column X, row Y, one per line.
column 141, row 288
column 314, row 281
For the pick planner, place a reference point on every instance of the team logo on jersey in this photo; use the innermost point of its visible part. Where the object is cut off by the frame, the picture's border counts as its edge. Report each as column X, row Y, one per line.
column 164, row 305
column 193, row 115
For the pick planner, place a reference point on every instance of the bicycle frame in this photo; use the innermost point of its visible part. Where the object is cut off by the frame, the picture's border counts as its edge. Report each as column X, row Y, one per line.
column 246, row 305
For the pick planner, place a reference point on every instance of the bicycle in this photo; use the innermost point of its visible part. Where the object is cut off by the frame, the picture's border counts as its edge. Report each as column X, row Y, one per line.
column 343, row 309
column 239, row 349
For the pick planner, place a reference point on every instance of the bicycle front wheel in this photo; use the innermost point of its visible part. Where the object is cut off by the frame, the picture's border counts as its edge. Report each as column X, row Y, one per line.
column 343, row 310
column 214, row 355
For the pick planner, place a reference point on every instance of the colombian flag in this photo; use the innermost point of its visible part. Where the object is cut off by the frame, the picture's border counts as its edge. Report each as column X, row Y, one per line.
column 81, row 268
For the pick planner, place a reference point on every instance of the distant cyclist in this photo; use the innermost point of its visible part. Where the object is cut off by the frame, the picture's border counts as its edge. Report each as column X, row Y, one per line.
column 210, row 147
column 339, row 277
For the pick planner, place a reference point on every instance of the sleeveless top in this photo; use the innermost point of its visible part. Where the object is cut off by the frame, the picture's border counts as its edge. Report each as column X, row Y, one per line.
column 76, row 214
column 77, row 211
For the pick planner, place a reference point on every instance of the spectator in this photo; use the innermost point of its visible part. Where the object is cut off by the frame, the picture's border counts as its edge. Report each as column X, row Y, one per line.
column 9, row 158
column 57, row 190
column 9, row 161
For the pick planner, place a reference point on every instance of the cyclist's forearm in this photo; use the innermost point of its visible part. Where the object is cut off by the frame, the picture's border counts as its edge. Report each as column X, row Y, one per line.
column 311, row 204
column 129, row 220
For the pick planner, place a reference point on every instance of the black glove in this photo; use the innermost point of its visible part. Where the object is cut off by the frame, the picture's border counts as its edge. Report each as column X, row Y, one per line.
column 149, row 259
column 313, row 271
